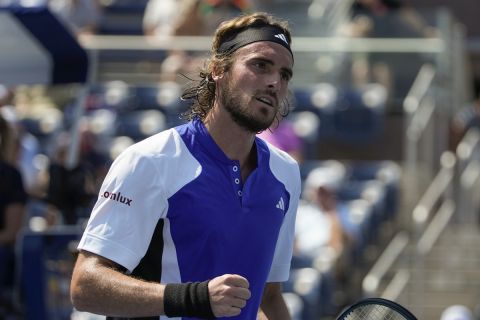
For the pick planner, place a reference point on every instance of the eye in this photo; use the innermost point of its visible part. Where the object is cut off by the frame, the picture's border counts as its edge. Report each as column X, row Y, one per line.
column 286, row 76
column 260, row 65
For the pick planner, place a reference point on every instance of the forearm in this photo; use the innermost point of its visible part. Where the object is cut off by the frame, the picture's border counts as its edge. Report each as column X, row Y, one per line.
column 273, row 305
column 103, row 290
column 98, row 286
column 275, row 311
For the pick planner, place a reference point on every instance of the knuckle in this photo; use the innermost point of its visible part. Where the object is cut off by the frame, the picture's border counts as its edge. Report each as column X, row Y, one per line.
column 242, row 303
column 234, row 312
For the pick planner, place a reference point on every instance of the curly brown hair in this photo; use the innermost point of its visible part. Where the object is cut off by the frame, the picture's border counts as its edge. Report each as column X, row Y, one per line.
column 202, row 91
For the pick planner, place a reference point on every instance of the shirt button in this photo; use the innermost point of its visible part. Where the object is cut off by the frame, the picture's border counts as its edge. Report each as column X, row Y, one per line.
column 235, row 168
column 239, row 193
column 237, row 181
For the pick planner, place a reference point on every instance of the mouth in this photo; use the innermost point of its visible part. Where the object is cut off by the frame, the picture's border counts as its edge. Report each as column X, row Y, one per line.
column 270, row 101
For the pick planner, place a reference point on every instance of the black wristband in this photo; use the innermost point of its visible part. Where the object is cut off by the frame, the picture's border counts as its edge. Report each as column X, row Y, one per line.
column 189, row 299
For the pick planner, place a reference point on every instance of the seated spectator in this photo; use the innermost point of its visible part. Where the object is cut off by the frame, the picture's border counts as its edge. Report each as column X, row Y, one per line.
column 318, row 227
column 319, row 234
column 466, row 118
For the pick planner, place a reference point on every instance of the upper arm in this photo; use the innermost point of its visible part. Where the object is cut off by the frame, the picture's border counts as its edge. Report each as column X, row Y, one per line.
column 87, row 268
column 88, row 259
column 89, row 264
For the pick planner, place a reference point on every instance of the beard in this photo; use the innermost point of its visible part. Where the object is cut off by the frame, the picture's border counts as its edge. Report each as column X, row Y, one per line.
column 240, row 112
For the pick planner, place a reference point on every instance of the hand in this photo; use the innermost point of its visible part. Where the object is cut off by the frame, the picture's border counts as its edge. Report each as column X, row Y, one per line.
column 228, row 295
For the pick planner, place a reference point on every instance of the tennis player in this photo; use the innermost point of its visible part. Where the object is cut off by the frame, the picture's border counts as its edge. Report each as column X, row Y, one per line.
column 197, row 221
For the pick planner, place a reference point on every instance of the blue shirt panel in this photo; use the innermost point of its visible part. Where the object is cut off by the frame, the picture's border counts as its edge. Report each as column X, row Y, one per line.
column 217, row 231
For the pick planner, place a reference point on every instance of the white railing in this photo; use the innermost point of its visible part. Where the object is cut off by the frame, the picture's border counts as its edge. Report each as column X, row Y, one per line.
column 299, row 44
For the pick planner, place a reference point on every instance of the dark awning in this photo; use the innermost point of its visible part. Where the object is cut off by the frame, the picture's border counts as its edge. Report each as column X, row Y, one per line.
column 36, row 48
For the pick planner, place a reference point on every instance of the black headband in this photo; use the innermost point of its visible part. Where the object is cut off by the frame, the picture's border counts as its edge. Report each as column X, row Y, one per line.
column 255, row 34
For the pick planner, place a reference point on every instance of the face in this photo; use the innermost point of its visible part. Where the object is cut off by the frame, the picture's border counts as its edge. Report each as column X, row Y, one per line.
column 256, row 85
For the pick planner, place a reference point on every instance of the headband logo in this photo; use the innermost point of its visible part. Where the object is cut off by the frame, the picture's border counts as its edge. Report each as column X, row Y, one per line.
column 281, row 37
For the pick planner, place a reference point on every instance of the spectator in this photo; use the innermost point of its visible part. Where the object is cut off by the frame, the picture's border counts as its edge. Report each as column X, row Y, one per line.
column 319, row 234
column 28, row 145
column 159, row 16
column 284, row 137
column 466, row 118
column 82, row 16
column 318, row 225
column 387, row 19
column 12, row 207
column 70, row 190
column 187, row 18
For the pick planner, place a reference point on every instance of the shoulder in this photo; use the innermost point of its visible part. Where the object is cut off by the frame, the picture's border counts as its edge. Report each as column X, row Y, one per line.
column 154, row 153
column 162, row 160
column 161, row 144
column 283, row 166
column 278, row 156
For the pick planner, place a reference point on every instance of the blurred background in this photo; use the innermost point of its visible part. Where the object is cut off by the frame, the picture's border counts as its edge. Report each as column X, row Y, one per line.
column 384, row 123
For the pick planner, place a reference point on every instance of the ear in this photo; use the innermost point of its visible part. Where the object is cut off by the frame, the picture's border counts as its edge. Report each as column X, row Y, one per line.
column 217, row 74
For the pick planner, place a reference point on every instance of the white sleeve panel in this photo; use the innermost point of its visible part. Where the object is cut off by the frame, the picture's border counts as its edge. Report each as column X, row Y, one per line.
column 287, row 171
column 134, row 196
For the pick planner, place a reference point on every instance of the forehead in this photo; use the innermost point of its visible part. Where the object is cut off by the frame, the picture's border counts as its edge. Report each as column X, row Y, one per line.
column 268, row 50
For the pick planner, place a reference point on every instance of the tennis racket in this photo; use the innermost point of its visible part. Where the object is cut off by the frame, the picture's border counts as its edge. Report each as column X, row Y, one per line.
column 376, row 309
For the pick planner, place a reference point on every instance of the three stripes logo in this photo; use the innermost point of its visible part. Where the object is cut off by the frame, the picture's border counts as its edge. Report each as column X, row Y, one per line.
column 282, row 37
column 281, row 204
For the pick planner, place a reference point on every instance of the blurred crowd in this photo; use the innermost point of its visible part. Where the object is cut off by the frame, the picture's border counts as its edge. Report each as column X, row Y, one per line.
column 45, row 182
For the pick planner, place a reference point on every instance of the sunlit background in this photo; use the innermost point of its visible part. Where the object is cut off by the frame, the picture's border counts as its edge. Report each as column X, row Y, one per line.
column 384, row 113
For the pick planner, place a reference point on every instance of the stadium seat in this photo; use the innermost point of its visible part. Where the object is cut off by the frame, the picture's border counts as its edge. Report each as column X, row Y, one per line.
column 386, row 171
column 319, row 100
column 165, row 95
column 114, row 95
column 359, row 114
column 140, row 124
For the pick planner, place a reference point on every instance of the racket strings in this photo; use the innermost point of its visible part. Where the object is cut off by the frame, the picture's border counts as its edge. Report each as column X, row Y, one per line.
column 374, row 312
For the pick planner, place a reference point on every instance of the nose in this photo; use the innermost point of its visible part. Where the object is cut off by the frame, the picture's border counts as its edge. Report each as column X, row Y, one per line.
column 273, row 81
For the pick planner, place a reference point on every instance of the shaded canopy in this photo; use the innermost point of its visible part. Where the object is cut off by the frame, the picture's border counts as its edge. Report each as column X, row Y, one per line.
column 36, row 48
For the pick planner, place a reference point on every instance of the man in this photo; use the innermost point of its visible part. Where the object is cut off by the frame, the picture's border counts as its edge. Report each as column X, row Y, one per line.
column 13, row 199
column 201, row 216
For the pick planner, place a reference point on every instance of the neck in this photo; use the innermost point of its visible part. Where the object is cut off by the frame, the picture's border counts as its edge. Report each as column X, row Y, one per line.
column 236, row 142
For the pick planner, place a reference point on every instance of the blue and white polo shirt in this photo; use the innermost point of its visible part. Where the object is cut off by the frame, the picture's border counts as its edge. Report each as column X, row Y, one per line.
column 173, row 208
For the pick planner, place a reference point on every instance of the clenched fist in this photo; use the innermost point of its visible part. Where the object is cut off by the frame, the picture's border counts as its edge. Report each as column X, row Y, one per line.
column 228, row 295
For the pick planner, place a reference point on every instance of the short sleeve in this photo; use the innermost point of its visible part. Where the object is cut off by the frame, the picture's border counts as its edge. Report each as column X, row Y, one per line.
column 280, row 270
column 130, row 204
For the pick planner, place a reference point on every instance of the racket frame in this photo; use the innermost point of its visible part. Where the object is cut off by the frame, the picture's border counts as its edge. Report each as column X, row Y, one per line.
column 378, row 301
